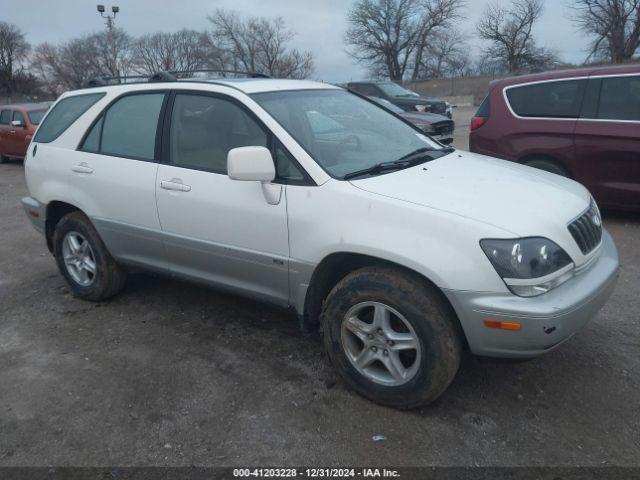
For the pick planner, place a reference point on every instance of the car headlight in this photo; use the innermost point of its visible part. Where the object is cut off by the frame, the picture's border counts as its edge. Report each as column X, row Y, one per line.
column 529, row 266
column 422, row 108
column 429, row 129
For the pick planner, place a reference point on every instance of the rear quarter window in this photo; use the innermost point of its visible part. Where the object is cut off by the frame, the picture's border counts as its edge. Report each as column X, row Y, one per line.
column 63, row 114
column 561, row 99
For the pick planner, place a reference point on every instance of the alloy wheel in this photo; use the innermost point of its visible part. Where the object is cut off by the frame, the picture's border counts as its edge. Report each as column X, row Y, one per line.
column 79, row 259
column 380, row 343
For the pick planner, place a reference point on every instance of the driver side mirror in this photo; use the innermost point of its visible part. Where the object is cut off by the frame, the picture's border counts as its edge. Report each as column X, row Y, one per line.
column 17, row 123
column 251, row 164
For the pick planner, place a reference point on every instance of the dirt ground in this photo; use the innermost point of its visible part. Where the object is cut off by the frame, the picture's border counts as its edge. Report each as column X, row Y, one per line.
column 169, row 373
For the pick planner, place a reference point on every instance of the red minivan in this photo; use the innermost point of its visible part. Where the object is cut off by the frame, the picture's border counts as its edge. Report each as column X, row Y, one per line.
column 18, row 123
column 583, row 124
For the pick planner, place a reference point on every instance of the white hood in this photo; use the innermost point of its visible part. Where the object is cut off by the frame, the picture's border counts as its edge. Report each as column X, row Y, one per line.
column 522, row 200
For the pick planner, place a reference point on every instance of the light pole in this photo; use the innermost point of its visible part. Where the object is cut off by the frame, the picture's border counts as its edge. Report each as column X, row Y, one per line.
column 112, row 65
column 109, row 17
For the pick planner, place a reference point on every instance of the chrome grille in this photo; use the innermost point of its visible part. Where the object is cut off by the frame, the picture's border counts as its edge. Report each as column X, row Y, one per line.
column 586, row 230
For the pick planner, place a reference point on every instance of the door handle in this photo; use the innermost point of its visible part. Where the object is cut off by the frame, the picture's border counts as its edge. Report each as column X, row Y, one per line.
column 12, row 131
column 174, row 185
column 82, row 168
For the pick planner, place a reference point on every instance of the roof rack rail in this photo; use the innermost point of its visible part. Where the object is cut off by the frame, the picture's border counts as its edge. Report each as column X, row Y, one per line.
column 181, row 73
column 164, row 76
column 105, row 81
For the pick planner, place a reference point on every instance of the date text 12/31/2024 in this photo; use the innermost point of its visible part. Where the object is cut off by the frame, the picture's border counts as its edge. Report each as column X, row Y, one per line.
column 315, row 473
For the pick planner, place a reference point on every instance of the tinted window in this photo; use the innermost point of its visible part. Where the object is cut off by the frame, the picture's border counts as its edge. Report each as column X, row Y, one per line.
column 18, row 116
column 35, row 116
column 5, row 117
column 63, row 114
column 92, row 141
column 205, row 128
column 591, row 98
column 620, row 98
column 130, row 126
column 551, row 99
column 484, row 110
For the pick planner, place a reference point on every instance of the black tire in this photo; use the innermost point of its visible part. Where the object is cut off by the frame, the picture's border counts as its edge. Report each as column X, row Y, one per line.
column 548, row 166
column 109, row 277
column 422, row 306
column 3, row 159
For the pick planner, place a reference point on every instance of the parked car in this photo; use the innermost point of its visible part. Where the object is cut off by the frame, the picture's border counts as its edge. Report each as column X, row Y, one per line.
column 406, row 99
column 436, row 126
column 17, row 125
column 582, row 124
column 312, row 198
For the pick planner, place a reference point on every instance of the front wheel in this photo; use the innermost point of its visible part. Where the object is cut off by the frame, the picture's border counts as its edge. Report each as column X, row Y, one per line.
column 391, row 337
column 84, row 261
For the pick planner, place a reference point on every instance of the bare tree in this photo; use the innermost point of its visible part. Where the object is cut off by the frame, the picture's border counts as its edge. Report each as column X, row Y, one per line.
column 113, row 52
column 436, row 16
column 259, row 45
column 382, row 35
column 67, row 66
column 509, row 31
column 614, row 26
column 13, row 51
column 182, row 50
column 447, row 54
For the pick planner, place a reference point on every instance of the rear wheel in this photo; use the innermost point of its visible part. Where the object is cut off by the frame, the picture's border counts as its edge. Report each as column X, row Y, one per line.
column 83, row 259
column 548, row 165
column 391, row 337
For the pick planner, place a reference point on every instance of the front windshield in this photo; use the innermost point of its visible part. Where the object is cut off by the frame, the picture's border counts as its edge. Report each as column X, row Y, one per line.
column 395, row 90
column 341, row 131
column 35, row 116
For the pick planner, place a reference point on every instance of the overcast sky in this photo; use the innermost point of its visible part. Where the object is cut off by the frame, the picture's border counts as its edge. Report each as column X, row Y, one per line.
column 320, row 24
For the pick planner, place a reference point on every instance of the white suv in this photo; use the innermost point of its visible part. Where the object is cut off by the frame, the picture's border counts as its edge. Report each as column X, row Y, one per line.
column 404, row 252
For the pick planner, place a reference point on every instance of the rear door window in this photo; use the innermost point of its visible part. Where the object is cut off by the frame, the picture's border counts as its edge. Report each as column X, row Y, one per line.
column 560, row 99
column 620, row 99
column 128, row 128
column 63, row 114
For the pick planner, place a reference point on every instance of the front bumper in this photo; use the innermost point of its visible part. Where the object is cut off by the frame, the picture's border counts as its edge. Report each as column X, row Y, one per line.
column 546, row 320
column 36, row 212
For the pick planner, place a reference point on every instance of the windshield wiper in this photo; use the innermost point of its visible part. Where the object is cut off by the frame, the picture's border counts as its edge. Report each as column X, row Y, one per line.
column 420, row 152
column 378, row 168
column 409, row 160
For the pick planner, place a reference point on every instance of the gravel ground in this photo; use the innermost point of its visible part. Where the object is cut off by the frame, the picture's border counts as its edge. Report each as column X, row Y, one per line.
column 170, row 373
